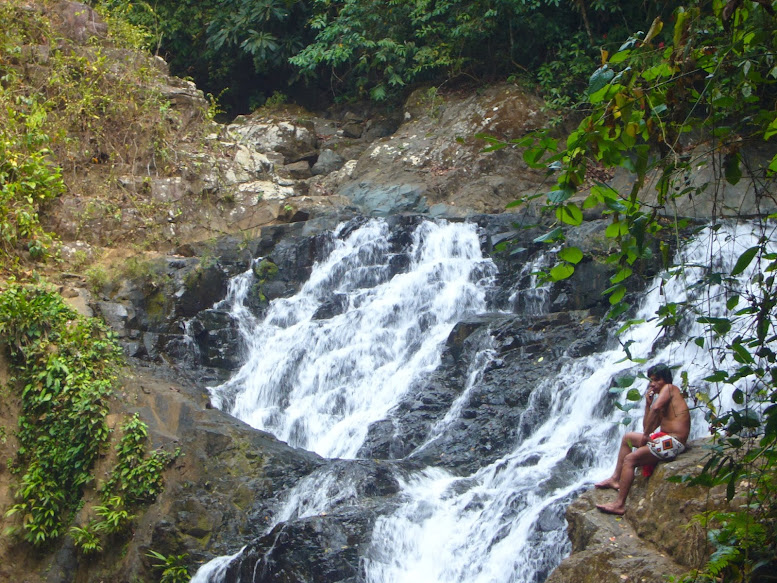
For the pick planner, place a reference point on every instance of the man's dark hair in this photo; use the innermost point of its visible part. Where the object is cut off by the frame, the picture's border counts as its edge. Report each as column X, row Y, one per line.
column 661, row 371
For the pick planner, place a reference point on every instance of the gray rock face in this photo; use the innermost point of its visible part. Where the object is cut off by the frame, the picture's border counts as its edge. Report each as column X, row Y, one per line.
column 328, row 161
column 293, row 140
column 653, row 540
column 79, row 22
column 382, row 201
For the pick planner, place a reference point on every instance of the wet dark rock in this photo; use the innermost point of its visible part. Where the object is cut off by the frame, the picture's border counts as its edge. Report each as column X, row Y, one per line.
column 330, row 547
column 318, row 548
column 496, row 412
column 332, row 307
column 218, row 339
column 201, row 289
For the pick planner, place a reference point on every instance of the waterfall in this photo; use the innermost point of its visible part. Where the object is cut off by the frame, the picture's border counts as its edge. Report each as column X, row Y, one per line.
column 504, row 524
column 320, row 383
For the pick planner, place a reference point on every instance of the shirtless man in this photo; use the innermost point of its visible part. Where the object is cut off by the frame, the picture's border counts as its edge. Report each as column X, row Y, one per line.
column 664, row 406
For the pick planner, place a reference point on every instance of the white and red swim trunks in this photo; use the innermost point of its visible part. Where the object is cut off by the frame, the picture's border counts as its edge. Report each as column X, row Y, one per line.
column 664, row 446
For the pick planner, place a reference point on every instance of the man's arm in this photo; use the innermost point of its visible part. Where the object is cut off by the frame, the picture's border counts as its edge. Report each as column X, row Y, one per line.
column 653, row 412
column 649, row 396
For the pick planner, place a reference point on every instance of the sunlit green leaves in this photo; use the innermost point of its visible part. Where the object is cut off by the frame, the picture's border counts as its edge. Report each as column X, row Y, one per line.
column 569, row 214
column 616, row 293
column 617, row 229
column 633, row 395
column 561, row 271
column 571, row 255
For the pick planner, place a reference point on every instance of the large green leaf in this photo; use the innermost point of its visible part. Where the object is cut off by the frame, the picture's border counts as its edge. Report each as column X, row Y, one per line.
column 570, row 214
column 561, row 271
column 551, row 236
column 571, row 254
column 601, row 77
column 633, row 395
column 561, row 195
column 744, row 260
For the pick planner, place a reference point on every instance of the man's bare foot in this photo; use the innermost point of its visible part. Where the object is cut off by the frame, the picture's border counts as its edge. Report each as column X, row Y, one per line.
column 612, row 509
column 608, row 483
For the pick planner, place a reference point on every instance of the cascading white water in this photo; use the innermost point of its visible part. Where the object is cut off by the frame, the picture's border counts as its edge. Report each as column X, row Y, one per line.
column 505, row 522
column 318, row 384
column 533, row 299
column 488, row 528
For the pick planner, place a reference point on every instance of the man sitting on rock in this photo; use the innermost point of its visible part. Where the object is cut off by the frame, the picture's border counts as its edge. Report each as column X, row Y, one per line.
column 664, row 406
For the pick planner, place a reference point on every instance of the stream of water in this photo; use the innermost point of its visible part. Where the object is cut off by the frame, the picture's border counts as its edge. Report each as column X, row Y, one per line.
column 318, row 384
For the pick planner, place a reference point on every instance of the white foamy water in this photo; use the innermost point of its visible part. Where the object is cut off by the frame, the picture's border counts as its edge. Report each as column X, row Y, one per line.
column 319, row 383
column 505, row 522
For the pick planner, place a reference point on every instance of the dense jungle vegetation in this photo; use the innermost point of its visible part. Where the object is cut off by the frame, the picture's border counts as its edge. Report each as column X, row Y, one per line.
column 317, row 51
column 660, row 87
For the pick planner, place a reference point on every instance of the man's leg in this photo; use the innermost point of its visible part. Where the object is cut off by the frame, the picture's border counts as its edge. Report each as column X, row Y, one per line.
column 630, row 440
column 638, row 457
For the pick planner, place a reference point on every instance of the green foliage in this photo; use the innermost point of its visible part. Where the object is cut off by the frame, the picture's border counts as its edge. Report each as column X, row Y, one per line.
column 96, row 278
column 27, row 176
column 70, row 110
column 371, row 48
column 562, row 76
column 666, row 103
column 87, row 540
column 114, row 516
column 66, row 365
column 173, row 567
column 126, row 31
column 136, row 478
column 265, row 270
column 376, row 49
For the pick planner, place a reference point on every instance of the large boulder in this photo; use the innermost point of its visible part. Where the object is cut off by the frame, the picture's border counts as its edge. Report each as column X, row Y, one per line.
column 294, row 139
column 656, row 538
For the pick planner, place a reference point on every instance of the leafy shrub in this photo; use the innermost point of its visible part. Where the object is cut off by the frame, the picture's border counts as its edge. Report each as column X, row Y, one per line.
column 86, row 539
column 173, row 567
column 27, row 176
column 136, row 478
column 66, row 365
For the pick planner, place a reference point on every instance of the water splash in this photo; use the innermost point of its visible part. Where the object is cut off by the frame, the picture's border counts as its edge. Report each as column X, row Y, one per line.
column 214, row 571
column 319, row 383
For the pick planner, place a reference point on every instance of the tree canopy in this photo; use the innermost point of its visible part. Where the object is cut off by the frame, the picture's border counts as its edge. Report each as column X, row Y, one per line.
column 316, row 51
